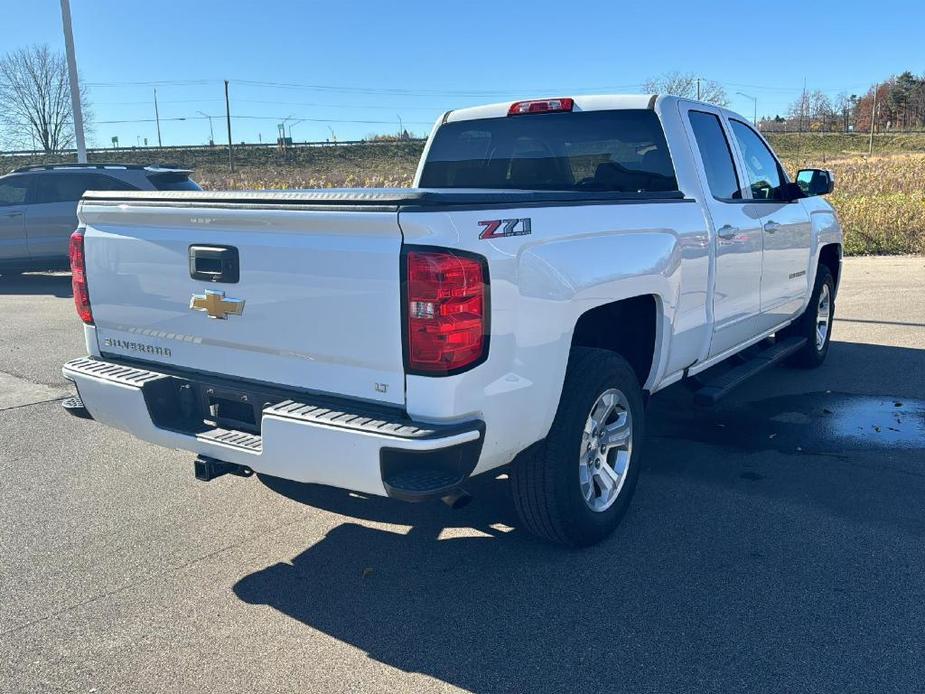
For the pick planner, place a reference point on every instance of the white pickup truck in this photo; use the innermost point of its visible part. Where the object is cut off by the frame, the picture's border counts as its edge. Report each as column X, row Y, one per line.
column 557, row 262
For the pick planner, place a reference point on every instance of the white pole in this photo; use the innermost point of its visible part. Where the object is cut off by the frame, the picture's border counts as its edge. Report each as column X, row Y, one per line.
column 72, row 78
column 873, row 116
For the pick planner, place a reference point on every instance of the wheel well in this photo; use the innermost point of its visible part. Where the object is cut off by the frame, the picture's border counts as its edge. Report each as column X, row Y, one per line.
column 626, row 327
column 830, row 256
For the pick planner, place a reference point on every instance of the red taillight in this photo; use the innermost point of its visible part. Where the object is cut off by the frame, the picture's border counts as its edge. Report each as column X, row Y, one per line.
column 446, row 310
column 79, row 277
column 519, row 108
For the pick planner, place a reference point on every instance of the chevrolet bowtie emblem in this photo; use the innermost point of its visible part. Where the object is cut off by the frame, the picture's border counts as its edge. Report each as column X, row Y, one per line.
column 216, row 305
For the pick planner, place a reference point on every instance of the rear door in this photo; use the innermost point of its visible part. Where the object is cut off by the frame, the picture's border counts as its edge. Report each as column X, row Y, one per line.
column 315, row 303
column 52, row 214
column 13, row 193
column 737, row 230
column 786, row 227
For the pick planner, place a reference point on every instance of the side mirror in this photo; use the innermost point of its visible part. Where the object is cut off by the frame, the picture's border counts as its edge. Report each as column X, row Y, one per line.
column 816, row 181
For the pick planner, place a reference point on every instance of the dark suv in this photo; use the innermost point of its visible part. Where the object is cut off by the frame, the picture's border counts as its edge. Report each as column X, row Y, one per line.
column 38, row 206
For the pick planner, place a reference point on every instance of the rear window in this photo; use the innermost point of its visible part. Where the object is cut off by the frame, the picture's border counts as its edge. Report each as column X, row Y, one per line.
column 173, row 181
column 622, row 151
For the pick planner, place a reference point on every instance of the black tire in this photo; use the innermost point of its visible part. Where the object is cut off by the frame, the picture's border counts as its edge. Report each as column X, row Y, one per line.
column 811, row 354
column 545, row 481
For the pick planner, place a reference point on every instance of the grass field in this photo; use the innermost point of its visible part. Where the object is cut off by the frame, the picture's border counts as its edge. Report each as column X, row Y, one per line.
column 880, row 199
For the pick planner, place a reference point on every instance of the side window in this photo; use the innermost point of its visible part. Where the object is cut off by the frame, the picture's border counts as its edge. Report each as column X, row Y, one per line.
column 716, row 155
column 13, row 190
column 58, row 187
column 69, row 187
column 764, row 173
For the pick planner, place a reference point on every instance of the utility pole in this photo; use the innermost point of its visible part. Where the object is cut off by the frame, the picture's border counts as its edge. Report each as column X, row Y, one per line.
column 803, row 104
column 401, row 128
column 157, row 118
column 698, row 89
column 228, row 119
column 72, row 78
column 873, row 117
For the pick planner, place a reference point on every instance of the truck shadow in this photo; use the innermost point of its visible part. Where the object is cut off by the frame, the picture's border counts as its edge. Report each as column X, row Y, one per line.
column 741, row 559
column 36, row 283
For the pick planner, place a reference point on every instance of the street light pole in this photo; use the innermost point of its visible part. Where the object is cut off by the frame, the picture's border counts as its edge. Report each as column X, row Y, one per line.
column 72, row 78
column 157, row 118
column 211, row 132
column 290, row 127
column 754, row 107
column 228, row 119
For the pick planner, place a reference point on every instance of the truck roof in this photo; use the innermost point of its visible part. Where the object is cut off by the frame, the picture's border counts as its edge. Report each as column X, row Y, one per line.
column 70, row 166
column 592, row 102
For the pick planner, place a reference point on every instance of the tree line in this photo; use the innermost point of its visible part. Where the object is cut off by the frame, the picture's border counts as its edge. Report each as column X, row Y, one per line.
column 896, row 104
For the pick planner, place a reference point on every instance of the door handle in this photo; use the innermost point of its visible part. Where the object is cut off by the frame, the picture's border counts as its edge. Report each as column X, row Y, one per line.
column 727, row 232
column 13, row 214
column 771, row 226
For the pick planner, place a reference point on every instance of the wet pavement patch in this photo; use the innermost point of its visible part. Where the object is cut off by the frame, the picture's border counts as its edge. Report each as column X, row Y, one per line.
column 813, row 422
column 751, row 476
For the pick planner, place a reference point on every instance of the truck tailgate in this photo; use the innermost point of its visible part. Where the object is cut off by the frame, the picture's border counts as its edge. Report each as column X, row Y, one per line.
column 320, row 288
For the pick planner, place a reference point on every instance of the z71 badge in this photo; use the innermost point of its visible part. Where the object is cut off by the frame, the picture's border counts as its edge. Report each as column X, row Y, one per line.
column 496, row 228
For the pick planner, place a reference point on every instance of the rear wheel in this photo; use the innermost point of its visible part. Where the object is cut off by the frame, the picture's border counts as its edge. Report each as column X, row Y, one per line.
column 816, row 322
column 576, row 486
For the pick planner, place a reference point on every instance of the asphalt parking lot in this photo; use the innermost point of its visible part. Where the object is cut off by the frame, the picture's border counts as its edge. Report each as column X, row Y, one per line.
column 776, row 542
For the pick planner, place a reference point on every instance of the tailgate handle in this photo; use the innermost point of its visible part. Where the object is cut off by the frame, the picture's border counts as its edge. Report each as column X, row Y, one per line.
column 214, row 263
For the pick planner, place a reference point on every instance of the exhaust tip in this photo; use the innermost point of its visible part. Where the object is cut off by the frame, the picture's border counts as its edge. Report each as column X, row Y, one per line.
column 457, row 500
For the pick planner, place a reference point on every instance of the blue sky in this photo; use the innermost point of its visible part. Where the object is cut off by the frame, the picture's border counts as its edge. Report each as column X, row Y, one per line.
column 332, row 64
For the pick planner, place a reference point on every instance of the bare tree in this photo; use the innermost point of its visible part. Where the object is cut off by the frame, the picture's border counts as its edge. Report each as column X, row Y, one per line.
column 821, row 111
column 842, row 107
column 798, row 111
column 35, row 101
column 684, row 84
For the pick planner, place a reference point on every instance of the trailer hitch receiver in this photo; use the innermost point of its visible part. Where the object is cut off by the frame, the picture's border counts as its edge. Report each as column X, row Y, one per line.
column 207, row 469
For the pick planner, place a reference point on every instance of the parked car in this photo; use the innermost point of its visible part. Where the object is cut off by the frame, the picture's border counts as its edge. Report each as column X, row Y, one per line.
column 558, row 262
column 38, row 206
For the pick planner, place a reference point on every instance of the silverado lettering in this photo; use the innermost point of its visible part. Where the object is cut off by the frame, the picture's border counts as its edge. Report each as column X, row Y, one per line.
column 136, row 346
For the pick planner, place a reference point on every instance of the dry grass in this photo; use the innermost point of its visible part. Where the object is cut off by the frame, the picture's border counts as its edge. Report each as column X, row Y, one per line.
column 881, row 203
column 285, row 177
column 880, row 200
column 369, row 166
